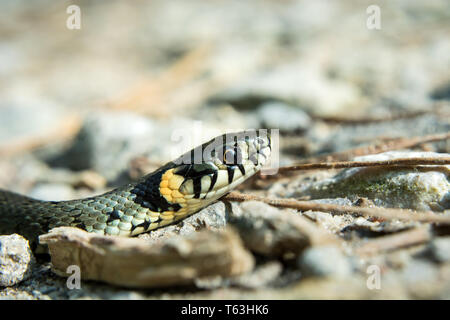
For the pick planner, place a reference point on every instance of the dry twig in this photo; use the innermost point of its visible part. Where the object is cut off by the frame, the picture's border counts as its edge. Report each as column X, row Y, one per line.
column 353, row 164
column 365, row 120
column 380, row 213
column 396, row 241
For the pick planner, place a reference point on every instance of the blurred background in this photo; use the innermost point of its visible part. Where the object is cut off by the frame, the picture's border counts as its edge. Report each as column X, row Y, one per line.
column 85, row 109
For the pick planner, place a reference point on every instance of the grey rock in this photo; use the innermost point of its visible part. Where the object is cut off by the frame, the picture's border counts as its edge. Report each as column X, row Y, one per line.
column 26, row 118
column 273, row 232
column 324, row 261
column 439, row 249
column 422, row 279
column 442, row 92
column 263, row 275
column 420, row 189
column 283, row 116
column 123, row 295
column 213, row 216
column 419, row 271
column 336, row 201
column 346, row 137
column 210, row 283
column 52, row 192
column 16, row 260
column 298, row 84
column 107, row 142
column 77, row 179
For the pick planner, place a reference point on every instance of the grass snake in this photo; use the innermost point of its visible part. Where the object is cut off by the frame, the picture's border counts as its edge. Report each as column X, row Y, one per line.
column 167, row 195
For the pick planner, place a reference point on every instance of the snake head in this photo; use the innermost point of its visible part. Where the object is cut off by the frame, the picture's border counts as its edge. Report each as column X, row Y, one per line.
column 214, row 168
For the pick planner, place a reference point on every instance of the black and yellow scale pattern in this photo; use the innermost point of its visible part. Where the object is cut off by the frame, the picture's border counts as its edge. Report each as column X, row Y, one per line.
column 171, row 193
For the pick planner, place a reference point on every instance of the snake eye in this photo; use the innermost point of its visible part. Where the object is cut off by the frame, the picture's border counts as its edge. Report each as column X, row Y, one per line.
column 229, row 156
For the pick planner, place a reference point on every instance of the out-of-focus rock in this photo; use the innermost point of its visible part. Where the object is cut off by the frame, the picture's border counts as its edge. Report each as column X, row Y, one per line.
column 25, row 118
column 420, row 188
column 262, row 276
column 342, row 138
column 133, row 262
column 439, row 249
column 298, row 84
column 441, row 93
column 16, row 260
column 52, row 192
column 107, row 142
column 273, row 232
column 78, row 179
column 28, row 122
column 228, row 118
column 324, row 261
column 422, row 279
column 284, row 117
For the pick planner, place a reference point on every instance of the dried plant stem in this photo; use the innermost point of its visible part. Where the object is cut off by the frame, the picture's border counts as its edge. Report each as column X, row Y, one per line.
column 381, row 213
column 392, row 117
column 352, row 164
column 396, row 241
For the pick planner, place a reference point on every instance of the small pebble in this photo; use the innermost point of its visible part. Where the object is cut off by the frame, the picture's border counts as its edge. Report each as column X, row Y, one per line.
column 16, row 260
column 324, row 261
column 439, row 249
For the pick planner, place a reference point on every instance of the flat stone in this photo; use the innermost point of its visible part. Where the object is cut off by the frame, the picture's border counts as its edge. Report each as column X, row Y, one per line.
column 132, row 262
column 270, row 231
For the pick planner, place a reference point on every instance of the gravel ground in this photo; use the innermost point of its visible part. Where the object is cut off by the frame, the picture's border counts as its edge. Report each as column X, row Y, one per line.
column 85, row 110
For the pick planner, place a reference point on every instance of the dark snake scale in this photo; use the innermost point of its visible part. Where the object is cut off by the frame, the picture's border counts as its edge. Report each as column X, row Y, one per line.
column 171, row 193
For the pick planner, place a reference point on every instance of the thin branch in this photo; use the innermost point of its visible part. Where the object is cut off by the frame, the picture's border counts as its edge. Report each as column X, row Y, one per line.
column 365, row 120
column 353, row 164
column 396, row 241
column 381, row 213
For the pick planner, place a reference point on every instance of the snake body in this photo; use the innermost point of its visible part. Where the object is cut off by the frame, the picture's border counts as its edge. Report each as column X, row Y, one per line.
column 169, row 194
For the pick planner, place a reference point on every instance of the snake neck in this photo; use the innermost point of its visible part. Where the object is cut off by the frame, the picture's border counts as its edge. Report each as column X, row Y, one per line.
column 147, row 191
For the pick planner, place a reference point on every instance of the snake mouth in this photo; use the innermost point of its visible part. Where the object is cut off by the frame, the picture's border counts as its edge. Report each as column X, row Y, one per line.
column 226, row 161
